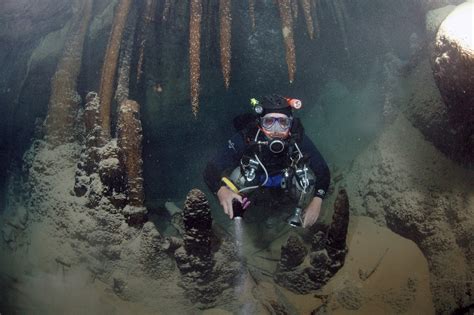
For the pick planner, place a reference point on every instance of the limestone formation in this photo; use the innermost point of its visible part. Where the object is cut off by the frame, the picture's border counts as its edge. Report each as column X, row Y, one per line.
column 148, row 16
column 287, row 31
column 197, row 223
column 252, row 13
column 292, row 253
column 110, row 64
column 129, row 140
column 123, row 74
column 225, row 38
column 64, row 100
column 194, row 52
column 336, row 237
column 453, row 68
column 153, row 256
column 306, row 5
column 326, row 258
column 207, row 268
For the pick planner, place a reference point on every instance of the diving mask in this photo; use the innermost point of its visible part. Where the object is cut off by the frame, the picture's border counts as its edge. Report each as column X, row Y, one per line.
column 276, row 123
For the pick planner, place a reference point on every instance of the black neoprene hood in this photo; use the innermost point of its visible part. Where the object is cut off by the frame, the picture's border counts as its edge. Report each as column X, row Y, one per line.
column 275, row 104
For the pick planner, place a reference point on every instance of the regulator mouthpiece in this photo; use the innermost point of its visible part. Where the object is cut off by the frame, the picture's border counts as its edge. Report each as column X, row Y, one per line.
column 296, row 220
column 276, row 146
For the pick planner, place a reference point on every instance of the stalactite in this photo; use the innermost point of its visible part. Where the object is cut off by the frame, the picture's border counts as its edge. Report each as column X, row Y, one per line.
column 340, row 11
column 123, row 81
column 225, row 38
column 315, row 11
column 294, row 8
column 147, row 18
column 306, row 5
column 129, row 140
column 64, row 100
column 166, row 9
column 195, row 17
column 252, row 13
column 110, row 64
column 287, row 30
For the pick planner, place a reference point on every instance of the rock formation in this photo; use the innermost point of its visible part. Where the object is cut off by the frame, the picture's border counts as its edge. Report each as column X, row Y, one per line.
column 453, row 68
column 129, row 140
column 225, row 38
column 109, row 67
column 325, row 259
column 195, row 52
column 404, row 183
column 287, row 31
column 207, row 269
column 64, row 100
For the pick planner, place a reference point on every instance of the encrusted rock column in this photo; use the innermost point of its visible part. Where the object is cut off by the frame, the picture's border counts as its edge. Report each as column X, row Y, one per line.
column 110, row 64
column 336, row 238
column 209, row 268
column 326, row 258
column 64, row 100
column 198, row 233
column 129, row 138
column 195, row 259
column 99, row 173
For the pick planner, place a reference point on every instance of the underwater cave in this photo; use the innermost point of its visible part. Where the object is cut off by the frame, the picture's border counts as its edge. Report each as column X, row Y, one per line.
column 110, row 111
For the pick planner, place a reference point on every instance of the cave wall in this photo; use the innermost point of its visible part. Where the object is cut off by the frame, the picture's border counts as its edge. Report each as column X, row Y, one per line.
column 258, row 67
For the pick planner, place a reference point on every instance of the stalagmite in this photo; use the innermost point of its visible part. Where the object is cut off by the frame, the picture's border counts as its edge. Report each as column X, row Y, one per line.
column 110, row 64
column 208, row 267
column 148, row 17
column 287, row 30
column 129, row 140
column 194, row 52
column 64, row 100
column 326, row 257
column 306, row 5
column 225, row 38
column 336, row 238
column 252, row 13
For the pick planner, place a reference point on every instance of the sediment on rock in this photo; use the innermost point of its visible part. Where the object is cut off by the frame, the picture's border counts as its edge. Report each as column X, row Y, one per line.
column 207, row 271
column 129, row 134
column 326, row 258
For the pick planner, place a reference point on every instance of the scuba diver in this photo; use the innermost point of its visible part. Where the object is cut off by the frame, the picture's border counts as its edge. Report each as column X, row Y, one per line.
column 270, row 151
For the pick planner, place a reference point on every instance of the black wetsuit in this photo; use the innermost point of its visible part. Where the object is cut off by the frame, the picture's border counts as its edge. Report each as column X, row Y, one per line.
column 228, row 158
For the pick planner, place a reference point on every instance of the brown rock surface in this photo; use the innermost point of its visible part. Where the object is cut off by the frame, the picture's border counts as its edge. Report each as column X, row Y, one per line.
column 425, row 197
column 453, row 69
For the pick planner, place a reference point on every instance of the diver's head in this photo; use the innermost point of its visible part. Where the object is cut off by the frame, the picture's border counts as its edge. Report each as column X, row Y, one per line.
column 275, row 116
column 276, row 125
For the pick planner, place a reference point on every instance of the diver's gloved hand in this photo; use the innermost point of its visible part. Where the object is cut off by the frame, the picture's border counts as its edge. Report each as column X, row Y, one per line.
column 225, row 196
column 312, row 211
